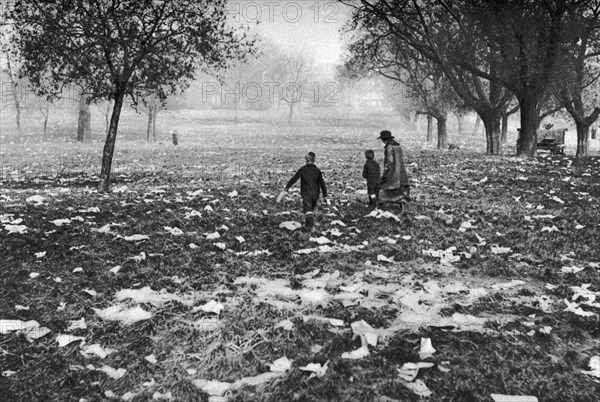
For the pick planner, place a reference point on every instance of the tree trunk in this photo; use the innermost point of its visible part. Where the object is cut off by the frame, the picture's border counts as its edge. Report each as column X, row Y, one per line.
column 429, row 128
column 149, row 128
column 583, row 134
column 477, row 124
column 491, row 122
column 291, row 114
column 106, row 118
column 46, row 115
column 460, row 118
column 527, row 144
column 84, row 123
column 583, row 123
column 109, row 145
column 416, row 120
column 442, row 133
column 16, row 97
column 19, row 131
column 154, row 124
column 504, row 135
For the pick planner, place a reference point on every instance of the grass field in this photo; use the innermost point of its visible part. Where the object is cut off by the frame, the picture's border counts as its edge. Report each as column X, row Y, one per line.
column 497, row 263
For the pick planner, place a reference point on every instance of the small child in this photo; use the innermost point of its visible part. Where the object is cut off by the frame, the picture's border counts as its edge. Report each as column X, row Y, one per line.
column 372, row 172
column 311, row 184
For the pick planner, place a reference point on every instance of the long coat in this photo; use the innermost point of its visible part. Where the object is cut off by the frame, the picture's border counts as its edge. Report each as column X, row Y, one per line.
column 394, row 172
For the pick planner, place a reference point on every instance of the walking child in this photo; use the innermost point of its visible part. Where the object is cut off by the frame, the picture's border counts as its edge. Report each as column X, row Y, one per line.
column 372, row 172
column 311, row 185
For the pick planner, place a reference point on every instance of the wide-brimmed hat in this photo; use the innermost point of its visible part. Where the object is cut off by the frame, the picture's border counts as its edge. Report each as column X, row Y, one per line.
column 385, row 135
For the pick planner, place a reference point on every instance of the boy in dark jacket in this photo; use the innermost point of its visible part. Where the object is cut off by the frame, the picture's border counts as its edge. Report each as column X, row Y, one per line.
column 372, row 172
column 311, row 184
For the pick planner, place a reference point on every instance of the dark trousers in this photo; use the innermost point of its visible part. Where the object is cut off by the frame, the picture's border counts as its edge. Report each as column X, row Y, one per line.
column 373, row 193
column 309, row 202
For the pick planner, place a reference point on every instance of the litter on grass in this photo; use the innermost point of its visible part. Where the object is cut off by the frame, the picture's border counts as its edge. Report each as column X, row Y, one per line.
column 320, row 240
column 78, row 324
column 409, row 371
column 280, row 365
column 123, row 314
column 291, row 225
column 115, row 374
column 508, row 285
column 88, row 351
column 571, row 270
column 316, row 369
column 419, row 388
column 211, row 307
column 18, row 229
column 136, row 237
column 500, row 250
column 595, row 367
column 367, row 333
column 64, row 339
column 575, row 308
column 513, row 398
column 36, row 200
column 427, row 350
column 147, row 295
column 174, row 231
column 359, row 353
column 213, row 388
column 379, row 214
column 287, row 325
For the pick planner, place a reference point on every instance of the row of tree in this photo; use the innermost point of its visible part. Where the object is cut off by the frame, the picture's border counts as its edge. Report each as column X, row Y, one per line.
column 490, row 56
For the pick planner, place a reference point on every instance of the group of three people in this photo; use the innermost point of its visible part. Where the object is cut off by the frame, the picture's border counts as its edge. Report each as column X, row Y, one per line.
column 389, row 186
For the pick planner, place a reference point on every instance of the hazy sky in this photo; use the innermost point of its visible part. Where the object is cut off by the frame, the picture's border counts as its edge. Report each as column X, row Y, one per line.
column 310, row 25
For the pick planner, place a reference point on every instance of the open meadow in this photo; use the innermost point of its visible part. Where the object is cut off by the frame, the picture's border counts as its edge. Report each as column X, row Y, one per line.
column 185, row 282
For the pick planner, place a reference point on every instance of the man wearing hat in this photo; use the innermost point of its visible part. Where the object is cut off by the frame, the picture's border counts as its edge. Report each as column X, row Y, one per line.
column 394, row 180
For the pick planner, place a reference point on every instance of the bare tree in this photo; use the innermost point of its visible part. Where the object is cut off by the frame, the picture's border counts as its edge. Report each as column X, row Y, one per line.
column 292, row 73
